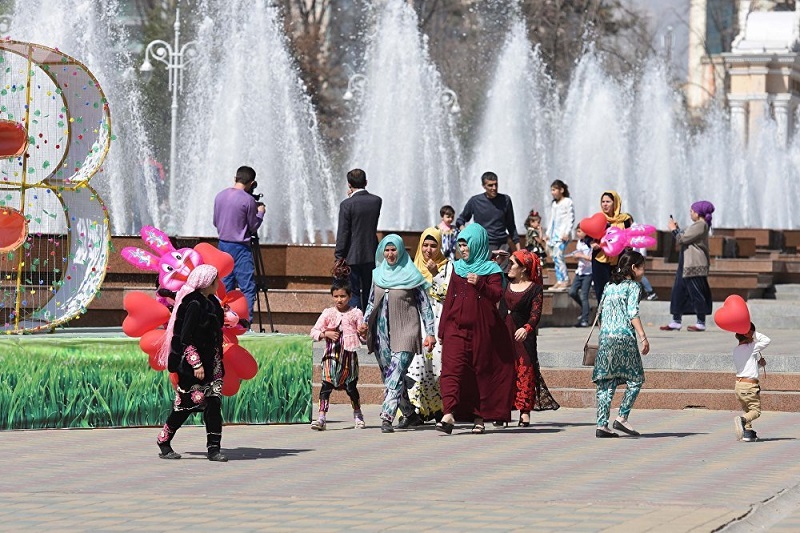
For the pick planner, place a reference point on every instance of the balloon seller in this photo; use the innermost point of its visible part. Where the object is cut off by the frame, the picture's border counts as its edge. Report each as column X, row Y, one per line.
column 192, row 349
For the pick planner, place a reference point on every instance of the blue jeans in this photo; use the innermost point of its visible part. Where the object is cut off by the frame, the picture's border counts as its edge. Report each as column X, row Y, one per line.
column 579, row 291
column 648, row 288
column 243, row 270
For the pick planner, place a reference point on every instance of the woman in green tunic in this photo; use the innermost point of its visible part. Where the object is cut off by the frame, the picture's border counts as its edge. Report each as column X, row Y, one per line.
column 618, row 360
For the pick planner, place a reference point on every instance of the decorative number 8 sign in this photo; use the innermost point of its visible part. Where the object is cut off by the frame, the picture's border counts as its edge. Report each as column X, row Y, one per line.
column 55, row 131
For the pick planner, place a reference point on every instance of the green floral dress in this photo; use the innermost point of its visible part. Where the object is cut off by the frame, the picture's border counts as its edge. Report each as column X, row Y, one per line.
column 618, row 355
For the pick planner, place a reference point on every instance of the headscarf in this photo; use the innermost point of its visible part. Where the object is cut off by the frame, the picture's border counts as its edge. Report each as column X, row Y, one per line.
column 704, row 209
column 479, row 261
column 438, row 258
column 401, row 275
column 617, row 217
column 531, row 263
column 201, row 277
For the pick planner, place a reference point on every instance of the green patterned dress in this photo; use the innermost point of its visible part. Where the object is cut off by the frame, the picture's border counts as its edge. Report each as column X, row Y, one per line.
column 618, row 355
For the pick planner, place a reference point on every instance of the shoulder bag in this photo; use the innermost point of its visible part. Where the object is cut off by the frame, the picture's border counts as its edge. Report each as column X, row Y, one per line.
column 590, row 350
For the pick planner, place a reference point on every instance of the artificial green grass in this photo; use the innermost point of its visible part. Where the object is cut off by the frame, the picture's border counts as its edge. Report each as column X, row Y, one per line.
column 50, row 382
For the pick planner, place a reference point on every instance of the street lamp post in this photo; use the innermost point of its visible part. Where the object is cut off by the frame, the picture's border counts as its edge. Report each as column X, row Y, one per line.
column 5, row 24
column 356, row 85
column 450, row 100
column 176, row 58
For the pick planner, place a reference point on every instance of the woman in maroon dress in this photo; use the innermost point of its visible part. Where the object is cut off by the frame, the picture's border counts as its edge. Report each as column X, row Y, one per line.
column 521, row 306
column 477, row 380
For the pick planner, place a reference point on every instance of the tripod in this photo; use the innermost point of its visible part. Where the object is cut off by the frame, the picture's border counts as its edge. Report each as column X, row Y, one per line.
column 261, row 283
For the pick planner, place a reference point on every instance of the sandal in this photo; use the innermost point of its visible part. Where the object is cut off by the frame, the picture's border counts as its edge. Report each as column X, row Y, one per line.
column 478, row 429
column 444, row 427
column 500, row 424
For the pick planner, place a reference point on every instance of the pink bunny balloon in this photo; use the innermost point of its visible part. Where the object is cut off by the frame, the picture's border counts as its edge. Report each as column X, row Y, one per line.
column 617, row 239
column 173, row 266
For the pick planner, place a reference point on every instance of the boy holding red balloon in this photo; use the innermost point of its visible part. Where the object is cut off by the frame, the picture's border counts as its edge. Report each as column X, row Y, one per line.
column 747, row 358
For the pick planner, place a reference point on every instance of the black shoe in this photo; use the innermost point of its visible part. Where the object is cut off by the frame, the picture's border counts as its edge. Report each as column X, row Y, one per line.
column 166, row 452
column 604, row 434
column 749, row 436
column 214, row 454
column 629, row 430
column 582, row 324
column 404, row 422
column 652, row 296
column 386, row 427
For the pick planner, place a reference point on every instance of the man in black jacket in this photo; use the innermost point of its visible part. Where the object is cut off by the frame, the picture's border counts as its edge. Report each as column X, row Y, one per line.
column 493, row 211
column 356, row 238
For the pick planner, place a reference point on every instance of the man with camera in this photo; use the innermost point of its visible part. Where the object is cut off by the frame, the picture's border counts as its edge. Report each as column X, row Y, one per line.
column 237, row 216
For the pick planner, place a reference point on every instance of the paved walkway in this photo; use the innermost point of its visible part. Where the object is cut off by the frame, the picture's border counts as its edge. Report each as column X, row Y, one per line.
column 686, row 473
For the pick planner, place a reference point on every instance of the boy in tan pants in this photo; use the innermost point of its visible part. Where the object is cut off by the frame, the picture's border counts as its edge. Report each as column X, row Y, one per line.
column 747, row 358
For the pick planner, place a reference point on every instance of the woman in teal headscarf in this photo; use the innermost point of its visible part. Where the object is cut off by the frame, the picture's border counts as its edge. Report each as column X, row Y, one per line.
column 478, row 376
column 392, row 319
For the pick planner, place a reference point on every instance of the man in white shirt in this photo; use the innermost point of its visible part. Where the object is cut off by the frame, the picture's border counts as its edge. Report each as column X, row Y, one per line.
column 747, row 358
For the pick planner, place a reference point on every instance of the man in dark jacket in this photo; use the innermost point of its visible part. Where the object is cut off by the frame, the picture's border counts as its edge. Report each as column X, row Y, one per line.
column 356, row 238
column 493, row 211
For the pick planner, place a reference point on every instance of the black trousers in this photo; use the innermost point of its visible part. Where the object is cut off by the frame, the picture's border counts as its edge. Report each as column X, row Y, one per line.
column 351, row 390
column 361, row 284
column 212, row 417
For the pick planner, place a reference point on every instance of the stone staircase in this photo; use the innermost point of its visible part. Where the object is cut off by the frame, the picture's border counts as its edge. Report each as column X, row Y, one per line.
column 685, row 370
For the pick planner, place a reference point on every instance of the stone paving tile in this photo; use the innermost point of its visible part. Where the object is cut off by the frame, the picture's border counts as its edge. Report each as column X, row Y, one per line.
column 681, row 474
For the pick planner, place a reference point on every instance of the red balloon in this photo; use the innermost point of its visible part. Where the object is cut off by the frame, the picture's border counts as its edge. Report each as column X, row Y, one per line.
column 173, row 377
column 238, row 303
column 13, row 139
column 222, row 261
column 240, row 361
column 144, row 314
column 594, row 226
column 734, row 315
column 150, row 343
column 230, row 383
column 13, row 229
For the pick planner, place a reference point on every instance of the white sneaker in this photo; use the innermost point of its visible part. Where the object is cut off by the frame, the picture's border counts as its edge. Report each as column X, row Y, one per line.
column 359, row 423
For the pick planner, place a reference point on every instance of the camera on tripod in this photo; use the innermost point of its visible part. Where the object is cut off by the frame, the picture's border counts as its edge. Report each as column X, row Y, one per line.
column 251, row 192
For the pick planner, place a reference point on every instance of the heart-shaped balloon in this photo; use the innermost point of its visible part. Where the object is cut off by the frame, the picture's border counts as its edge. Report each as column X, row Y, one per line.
column 734, row 315
column 144, row 314
column 13, row 229
column 241, row 362
column 594, row 226
column 150, row 343
column 222, row 261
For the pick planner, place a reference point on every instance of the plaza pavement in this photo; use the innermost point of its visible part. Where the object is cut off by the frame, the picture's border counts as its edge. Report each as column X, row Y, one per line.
column 686, row 473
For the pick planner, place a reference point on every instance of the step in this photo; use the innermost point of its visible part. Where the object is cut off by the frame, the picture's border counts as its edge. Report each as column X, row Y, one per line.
column 788, row 292
column 682, row 399
column 581, row 378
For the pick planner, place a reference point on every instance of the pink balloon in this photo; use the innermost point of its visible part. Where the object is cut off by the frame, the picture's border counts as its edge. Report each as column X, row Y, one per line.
column 614, row 241
column 642, row 241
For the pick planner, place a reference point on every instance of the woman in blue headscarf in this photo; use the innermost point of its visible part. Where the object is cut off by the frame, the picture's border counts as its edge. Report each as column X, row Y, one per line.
column 478, row 376
column 392, row 322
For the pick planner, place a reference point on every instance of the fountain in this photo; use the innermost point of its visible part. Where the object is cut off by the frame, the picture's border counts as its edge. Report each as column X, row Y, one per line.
column 92, row 32
column 405, row 139
column 245, row 105
column 514, row 138
column 630, row 135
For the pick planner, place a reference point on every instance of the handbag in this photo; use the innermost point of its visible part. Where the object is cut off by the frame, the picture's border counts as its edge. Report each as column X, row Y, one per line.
column 590, row 350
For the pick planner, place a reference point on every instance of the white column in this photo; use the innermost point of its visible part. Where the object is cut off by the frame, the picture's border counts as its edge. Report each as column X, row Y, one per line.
column 696, row 95
column 739, row 119
column 781, row 110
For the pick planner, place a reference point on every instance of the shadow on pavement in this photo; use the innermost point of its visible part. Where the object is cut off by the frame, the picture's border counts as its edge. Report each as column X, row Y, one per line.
column 250, row 454
column 768, row 439
column 564, row 424
column 665, row 435
column 509, row 431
